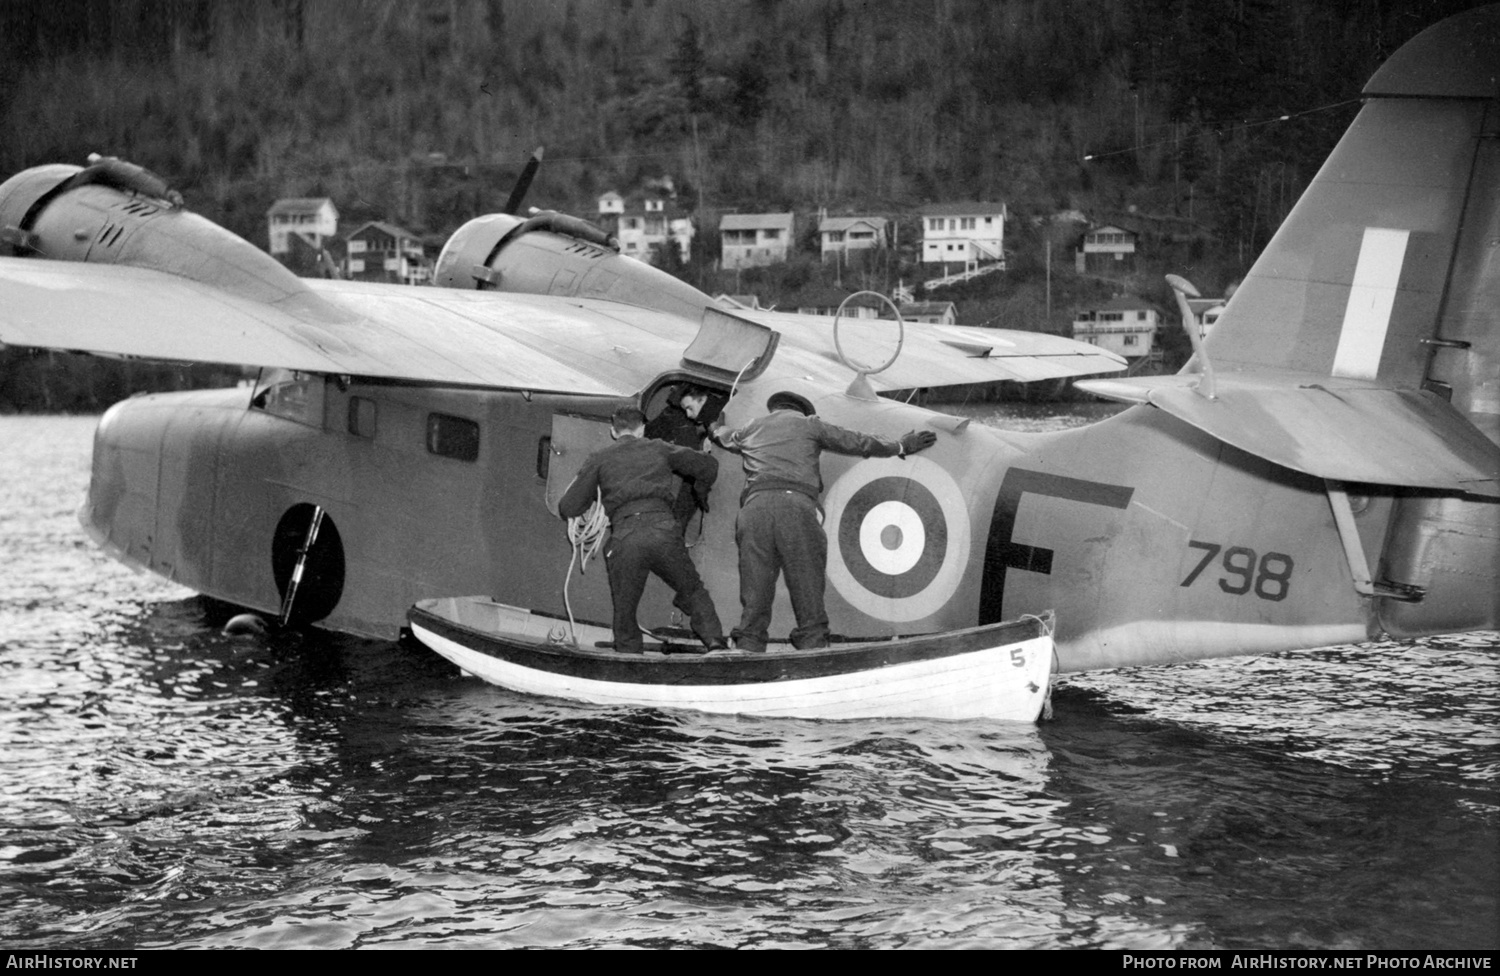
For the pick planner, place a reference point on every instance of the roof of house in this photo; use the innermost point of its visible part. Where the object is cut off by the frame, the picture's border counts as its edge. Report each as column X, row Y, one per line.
column 749, row 302
column 1123, row 303
column 296, row 205
column 1201, row 305
column 384, row 227
column 968, row 208
column 913, row 309
column 845, row 223
column 670, row 211
column 766, row 221
column 1066, row 217
column 1113, row 228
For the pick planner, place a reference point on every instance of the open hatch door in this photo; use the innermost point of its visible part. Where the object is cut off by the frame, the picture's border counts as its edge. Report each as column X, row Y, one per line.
column 729, row 348
column 574, row 438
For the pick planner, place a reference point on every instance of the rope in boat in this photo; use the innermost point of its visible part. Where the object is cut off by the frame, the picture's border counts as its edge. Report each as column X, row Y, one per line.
column 586, row 534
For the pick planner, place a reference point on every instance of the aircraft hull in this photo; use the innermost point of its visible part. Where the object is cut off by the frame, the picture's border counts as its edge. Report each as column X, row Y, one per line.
column 1156, row 542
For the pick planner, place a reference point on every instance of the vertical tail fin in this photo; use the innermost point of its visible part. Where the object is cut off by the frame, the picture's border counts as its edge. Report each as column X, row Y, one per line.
column 1388, row 267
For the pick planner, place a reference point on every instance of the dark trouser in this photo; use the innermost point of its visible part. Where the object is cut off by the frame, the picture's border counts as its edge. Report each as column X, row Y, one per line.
column 779, row 531
column 651, row 543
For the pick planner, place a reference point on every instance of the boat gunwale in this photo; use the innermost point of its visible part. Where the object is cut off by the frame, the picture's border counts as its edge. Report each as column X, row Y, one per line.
column 721, row 668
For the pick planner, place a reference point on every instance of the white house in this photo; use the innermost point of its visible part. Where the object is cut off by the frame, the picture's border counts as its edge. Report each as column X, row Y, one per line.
column 841, row 236
column 645, row 223
column 1108, row 249
column 970, row 233
column 1122, row 325
column 753, row 240
column 1207, row 312
column 379, row 251
column 828, row 301
column 312, row 218
column 932, row 313
column 610, row 203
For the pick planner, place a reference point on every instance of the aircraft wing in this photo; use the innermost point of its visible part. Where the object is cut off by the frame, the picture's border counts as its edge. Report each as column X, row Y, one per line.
column 494, row 340
column 421, row 334
column 940, row 355
column 1330, row 427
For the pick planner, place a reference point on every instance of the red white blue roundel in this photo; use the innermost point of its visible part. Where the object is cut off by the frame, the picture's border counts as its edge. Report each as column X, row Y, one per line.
column 898, row 537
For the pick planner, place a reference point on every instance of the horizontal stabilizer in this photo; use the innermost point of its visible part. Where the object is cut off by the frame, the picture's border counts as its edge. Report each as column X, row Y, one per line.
column 1328, row 427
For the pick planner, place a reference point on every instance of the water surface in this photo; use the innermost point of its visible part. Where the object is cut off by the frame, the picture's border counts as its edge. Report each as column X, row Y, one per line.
column 164, row 786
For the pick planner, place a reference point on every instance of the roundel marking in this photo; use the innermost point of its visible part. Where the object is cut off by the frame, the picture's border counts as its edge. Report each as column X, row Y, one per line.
column 900, row 537
column 883, row 532
column 891, row 537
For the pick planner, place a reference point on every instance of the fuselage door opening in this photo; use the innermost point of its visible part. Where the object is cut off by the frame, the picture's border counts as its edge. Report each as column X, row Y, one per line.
column 574, row 438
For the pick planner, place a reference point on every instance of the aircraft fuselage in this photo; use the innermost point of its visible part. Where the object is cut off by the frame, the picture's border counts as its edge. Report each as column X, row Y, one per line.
column 1184, row 548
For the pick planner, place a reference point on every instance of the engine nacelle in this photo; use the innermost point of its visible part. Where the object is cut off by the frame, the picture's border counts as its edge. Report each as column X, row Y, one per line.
column 113, row 212
column 554, row 254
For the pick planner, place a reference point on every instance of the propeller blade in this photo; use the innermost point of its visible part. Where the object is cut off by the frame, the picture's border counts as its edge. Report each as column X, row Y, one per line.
column 523, row 183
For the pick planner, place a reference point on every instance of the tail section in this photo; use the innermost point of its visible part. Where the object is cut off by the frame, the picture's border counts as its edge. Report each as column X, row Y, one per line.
column 1374, row 273
column 1363, row 347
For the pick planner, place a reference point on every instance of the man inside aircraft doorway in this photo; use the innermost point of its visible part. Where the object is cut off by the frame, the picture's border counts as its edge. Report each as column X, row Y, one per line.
column 780, row 526
column 684, row 421
column 634, row 479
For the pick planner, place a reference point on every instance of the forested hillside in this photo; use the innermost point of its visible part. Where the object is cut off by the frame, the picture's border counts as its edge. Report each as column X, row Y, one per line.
column 1213, row 111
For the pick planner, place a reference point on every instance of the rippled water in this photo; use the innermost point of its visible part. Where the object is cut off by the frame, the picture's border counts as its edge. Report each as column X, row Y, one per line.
column 162, row 785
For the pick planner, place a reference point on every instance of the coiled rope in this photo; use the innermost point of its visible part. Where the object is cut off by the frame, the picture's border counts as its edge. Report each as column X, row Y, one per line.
column 586, row 534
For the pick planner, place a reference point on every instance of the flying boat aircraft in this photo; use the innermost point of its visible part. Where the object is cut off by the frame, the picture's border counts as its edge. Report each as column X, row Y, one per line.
column 1325, row 469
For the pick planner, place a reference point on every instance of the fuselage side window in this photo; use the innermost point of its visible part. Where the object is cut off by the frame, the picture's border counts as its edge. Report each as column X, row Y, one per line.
column 452, row 437
column 361, row 416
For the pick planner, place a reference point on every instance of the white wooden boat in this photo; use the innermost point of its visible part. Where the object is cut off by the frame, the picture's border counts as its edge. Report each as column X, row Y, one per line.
column 998, row 671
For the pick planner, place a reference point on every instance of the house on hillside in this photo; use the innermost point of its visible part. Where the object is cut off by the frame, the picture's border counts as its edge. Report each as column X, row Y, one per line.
column 826, row 301
column 755, row 240
column 932, row 313
column 1107, row 249
column 381, row 251
column 970, row 233
column 647, row 222
column 307, row 260
column 842, row 236
column 1207, row 312
column 1124, row 325
column 611, row 204
column 314, row 219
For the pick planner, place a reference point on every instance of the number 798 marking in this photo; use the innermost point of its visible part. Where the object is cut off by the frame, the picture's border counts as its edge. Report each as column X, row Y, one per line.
column 1270, row 576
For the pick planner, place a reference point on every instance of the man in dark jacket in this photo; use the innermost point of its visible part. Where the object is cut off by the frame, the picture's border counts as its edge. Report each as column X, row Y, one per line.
column 634, row 479
column 684, row 422
column 780, row 527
